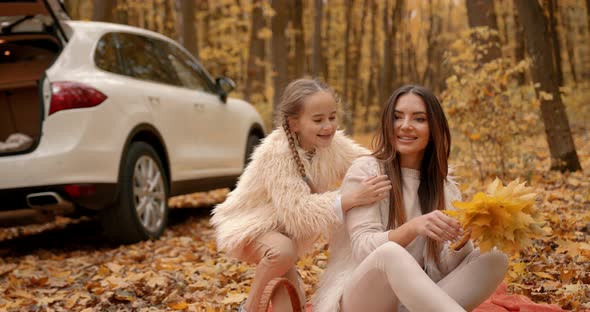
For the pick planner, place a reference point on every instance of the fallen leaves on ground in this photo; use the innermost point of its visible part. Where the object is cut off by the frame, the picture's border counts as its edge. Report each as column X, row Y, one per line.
column 183, row 271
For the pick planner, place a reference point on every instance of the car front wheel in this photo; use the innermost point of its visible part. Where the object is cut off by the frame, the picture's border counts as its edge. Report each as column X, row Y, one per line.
column 141, row 209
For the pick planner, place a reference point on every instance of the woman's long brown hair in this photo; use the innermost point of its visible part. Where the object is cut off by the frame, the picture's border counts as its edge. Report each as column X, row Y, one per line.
column 434, row 165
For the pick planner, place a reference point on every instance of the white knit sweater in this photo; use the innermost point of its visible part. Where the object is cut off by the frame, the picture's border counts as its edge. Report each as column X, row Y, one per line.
column 272, row 196
column 365, row 230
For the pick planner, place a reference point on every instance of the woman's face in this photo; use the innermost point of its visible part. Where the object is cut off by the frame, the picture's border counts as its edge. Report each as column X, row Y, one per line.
column 316, row 124
column 411, row 131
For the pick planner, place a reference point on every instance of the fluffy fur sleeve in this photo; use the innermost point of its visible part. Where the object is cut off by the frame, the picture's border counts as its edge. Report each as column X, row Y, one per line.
column 302, row 214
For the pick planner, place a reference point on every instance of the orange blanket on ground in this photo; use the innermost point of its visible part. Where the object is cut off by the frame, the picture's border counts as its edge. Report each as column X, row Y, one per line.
column 501, row 302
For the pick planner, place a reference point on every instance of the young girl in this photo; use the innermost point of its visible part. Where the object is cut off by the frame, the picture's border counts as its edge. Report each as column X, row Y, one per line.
column 287, row 196
column 394, row 254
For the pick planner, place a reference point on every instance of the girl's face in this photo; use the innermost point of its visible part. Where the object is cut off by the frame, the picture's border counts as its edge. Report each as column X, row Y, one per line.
column 411, row 131
column 316, row 124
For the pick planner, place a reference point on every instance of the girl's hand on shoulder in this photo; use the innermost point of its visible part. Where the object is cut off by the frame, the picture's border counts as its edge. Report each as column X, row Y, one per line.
column 437, row 226
column 369, row 191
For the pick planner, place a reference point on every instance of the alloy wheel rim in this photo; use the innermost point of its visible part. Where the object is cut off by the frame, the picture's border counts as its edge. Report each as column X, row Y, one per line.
column 149, row 193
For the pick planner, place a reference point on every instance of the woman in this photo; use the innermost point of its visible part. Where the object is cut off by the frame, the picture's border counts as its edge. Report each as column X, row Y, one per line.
column 394, row 254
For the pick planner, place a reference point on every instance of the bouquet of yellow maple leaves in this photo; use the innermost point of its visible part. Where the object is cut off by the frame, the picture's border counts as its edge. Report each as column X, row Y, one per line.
column 504, row 217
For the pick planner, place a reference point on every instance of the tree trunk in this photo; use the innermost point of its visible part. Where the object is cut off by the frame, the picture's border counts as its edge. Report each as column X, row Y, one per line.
column 326, row 63
column 481, row 13
column 554, row 36
column 427, row 77
column 557, row 129
column 505, row 38
column 187, row 36
column 413, row 60
column 389, row 31
column 348, row 119
column 255, row 71
column 396, row 19
column 316, row 61
column 299, row 39
column 588, row 13
column 370, row 95
column 356, row 63
column 570, row 33
column 439, row 83
column 519, row 48
column 279, row 49
column 206, row 32
column 386, row 78
column 73, row 9
column 169, row 29
column 103, row 10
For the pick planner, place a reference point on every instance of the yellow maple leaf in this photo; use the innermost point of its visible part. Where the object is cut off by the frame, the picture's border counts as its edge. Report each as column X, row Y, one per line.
column 504, row 216
column 544, row 275
column 182, row 305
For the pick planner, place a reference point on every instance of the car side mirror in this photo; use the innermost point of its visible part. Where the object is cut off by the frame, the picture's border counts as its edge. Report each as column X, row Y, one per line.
column 224, row 86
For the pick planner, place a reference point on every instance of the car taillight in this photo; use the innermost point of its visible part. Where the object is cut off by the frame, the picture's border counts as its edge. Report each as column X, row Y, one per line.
column 68, row 95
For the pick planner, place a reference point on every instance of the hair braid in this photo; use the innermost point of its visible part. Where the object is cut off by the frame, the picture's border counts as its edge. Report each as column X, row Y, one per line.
column 296, row 157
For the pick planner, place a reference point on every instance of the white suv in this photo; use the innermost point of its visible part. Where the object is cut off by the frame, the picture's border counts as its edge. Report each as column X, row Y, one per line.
column 110, row 118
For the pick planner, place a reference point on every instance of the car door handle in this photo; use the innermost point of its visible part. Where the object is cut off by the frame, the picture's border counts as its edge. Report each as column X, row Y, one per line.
column 153, row 99
column 199, row 107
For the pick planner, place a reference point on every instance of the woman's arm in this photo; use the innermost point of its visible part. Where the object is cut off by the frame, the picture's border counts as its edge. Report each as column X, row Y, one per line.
column 363, row 223
column 370, row 190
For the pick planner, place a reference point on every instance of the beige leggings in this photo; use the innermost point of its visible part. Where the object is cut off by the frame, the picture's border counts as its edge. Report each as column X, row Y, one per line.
column 276, row 256
column 390, row 275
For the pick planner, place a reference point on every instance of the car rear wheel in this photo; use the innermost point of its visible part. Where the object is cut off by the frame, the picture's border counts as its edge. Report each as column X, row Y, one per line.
column 253, row 141
column 141, row 210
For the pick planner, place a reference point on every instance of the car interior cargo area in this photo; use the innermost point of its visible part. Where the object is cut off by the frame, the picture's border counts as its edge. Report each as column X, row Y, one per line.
column 24, row 58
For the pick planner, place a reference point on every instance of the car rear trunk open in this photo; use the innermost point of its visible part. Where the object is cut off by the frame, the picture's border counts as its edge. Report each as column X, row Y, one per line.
column 23, row 62
column 30, row 41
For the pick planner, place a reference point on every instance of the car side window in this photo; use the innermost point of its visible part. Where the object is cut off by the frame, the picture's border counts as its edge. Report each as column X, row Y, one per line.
column 144, row 59
column 188, row 72
column 105, row 55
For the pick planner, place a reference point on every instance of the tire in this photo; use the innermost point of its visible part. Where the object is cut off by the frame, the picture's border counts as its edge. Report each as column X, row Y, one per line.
column 253, row 141
column 141, row 209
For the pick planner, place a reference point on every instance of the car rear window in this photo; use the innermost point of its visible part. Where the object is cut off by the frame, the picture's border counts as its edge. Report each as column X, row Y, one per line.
column 105, row 56
column 144, row 59
column 134, row 56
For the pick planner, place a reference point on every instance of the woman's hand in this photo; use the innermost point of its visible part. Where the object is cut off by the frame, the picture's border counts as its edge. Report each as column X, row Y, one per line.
column 369, row 191
column 457, row 245
column 437, row 226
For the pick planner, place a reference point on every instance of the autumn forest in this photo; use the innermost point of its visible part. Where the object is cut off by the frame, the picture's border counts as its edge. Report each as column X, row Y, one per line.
column 513, row 77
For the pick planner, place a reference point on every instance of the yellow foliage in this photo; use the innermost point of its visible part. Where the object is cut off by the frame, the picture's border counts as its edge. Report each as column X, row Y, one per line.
column 490, row 113
column 504, row 216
